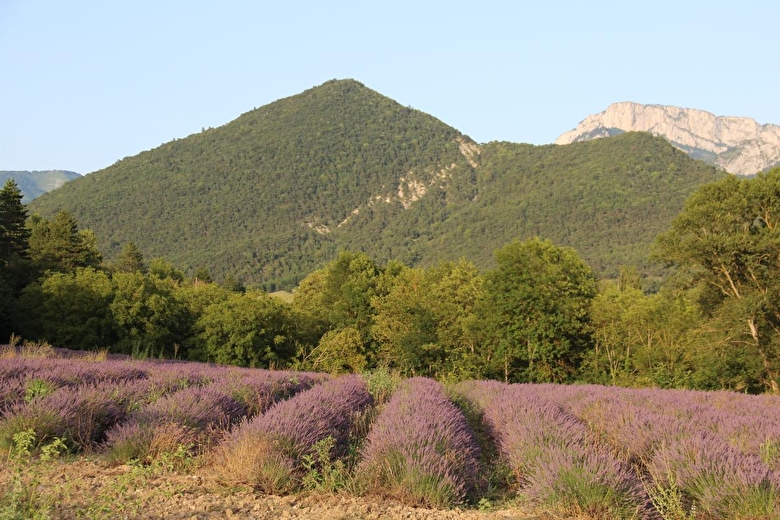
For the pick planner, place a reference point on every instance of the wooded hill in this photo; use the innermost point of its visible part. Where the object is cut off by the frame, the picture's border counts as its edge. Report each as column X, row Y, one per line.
column 279, row 191
column 34, row 184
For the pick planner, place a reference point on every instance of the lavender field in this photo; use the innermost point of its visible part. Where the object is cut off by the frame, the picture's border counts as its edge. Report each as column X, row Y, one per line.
column 591, row 451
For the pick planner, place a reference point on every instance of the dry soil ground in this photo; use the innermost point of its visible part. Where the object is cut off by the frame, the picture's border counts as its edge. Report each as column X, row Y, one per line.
column 89, row 489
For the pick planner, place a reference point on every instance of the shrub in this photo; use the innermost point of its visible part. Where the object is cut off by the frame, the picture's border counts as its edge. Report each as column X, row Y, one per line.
column 585, row 482
column 421, row 449
column 553, row 458
column 717, row 478
column 266, row 452
column 194, row 416
column 78, row 414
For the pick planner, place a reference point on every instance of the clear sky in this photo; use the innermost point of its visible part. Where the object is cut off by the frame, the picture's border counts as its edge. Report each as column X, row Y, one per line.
column 85, row 83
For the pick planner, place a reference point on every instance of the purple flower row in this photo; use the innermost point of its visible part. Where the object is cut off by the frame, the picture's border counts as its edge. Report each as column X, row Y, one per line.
column 719, row 450
column 421, row 448
column 267, row 451
column 553, row 458
column 81, row 400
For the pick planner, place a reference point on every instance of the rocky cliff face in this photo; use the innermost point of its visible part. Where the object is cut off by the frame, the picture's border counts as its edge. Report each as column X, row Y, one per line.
column 737, row 144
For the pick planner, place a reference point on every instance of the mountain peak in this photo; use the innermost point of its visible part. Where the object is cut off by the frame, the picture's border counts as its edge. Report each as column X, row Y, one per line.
column 739, row 145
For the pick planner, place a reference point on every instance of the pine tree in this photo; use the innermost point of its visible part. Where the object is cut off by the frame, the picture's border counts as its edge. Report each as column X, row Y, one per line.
column 131, row 259
column 59, row 245
column 14, row 234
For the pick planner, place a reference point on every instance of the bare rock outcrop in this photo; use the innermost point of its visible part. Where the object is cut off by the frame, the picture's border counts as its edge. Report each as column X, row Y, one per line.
column 739, row 145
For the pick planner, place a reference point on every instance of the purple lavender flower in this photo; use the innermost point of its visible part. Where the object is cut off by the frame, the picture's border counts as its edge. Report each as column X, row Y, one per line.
column 720, row 480
column 266, row 451
column 421, row 448
column 327, row 410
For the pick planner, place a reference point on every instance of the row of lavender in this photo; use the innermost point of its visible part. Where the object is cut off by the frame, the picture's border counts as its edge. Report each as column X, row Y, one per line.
column 134, row 409
column 419, row 448
column 601, row 451
column 637, row 453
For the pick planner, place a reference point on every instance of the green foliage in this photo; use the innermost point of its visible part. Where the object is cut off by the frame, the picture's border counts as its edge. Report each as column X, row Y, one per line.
column 37, row 388
column 381, row 383
column 23, row 499
column 340, row 351
column 59, row 245
column 322, row 472
column 338, row 297
column 422, row 323
column 146, row 313
column 533, row 320
column 643, row 340
column 163, row 269
column 668, row 500
column 14, row 233
column 14, row 263
column 275, row 194
column 71, row 310
column 251, row 329
column 726, row 244
column 130, row 259
column 6, row 306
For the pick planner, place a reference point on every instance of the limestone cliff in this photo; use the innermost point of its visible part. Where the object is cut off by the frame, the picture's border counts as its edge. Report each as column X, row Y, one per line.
column 739, row 145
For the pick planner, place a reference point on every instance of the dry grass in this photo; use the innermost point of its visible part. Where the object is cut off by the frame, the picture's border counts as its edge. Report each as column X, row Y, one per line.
column 95, row 356
column 254, row 460
column 28, row 349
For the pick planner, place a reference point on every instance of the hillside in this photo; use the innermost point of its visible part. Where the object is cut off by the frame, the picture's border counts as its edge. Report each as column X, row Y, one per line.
column 607, row 198
column 277, row 192
column 739, row 145
column 36, row 183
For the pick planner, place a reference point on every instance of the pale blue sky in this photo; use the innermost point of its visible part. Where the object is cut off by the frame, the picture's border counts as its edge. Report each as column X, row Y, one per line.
column 85, row 83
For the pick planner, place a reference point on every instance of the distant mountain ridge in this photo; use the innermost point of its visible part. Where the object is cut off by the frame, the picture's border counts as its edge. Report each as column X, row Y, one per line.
column 276, row 193
column 35, row 183
column 738, row 145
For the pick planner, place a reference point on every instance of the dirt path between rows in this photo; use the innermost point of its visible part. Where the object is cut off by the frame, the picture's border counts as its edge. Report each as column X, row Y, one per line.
column 86, row 489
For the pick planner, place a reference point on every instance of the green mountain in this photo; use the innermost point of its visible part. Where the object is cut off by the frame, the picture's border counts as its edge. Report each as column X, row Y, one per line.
column 280, row 190
column 36, row 183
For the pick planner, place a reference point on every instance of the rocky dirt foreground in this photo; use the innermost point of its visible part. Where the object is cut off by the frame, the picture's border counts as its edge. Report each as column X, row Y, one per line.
column 88, row 489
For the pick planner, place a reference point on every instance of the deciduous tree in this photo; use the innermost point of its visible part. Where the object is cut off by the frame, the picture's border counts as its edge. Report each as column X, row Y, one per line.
column 533, row 320
column 726, row 241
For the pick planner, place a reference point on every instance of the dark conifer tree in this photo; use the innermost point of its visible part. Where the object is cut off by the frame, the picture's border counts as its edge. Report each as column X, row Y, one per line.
column 59, row 245
column 14, row 234
column 131, row 259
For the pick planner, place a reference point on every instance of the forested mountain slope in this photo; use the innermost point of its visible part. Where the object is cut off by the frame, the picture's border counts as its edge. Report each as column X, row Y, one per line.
column 607, row 198
column 276, row 193
column 36, row 183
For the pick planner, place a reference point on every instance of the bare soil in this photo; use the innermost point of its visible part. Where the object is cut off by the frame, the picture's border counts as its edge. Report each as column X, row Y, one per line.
column 86, row 488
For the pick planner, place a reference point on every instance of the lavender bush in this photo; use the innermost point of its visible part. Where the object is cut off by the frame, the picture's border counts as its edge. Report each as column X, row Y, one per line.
column 78, row 414
column 266, row 452
column 193, row 417
column 554, row 460
column 259, row 389
column 79, row 399
column 716, row 478
column 421, row 449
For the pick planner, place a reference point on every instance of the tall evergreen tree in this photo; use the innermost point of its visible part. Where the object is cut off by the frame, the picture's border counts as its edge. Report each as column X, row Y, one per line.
column 14, row 234
column 59, row 245
column 131, row 259
column 14, row 266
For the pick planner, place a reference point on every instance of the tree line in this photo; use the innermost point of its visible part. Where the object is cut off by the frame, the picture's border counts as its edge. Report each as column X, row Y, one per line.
column 541, row 315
